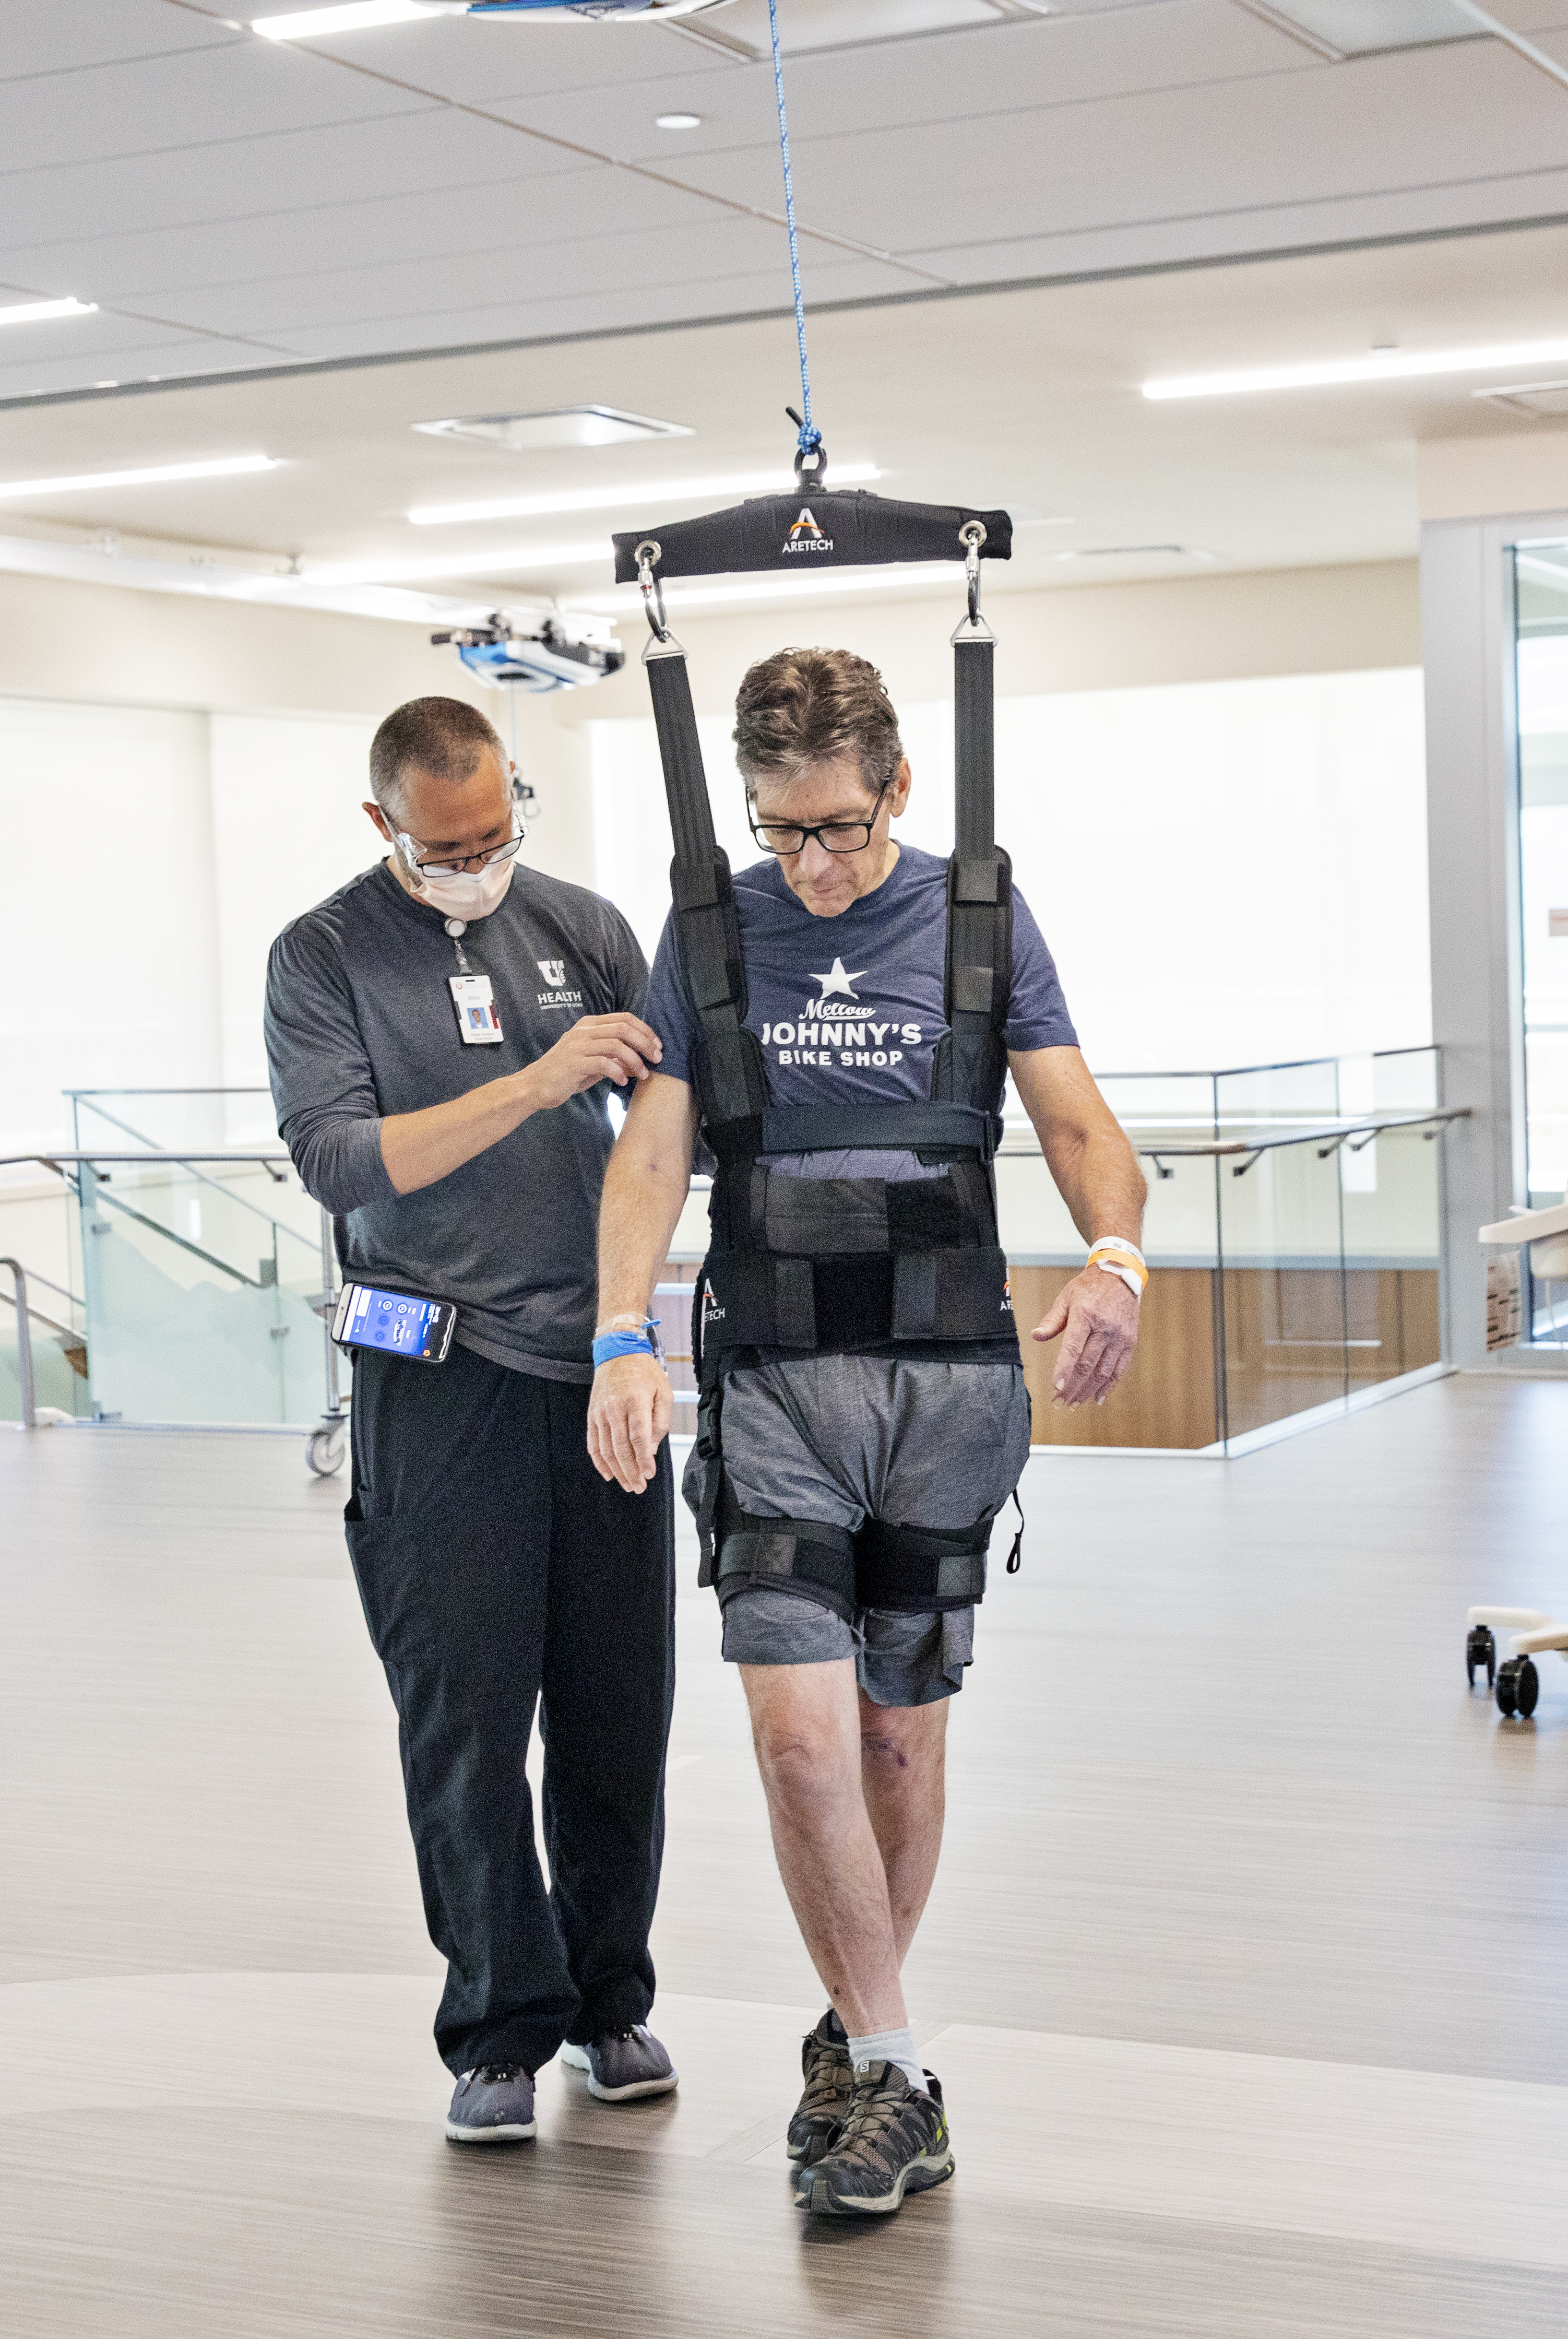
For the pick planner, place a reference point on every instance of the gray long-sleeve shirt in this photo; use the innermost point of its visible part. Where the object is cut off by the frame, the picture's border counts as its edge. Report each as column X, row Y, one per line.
column 360, row 1023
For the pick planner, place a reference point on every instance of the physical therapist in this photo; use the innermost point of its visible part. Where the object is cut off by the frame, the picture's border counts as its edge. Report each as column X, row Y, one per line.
column 443, row 1034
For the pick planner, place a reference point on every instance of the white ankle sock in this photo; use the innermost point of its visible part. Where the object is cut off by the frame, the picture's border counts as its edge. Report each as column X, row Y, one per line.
column 889, row 2047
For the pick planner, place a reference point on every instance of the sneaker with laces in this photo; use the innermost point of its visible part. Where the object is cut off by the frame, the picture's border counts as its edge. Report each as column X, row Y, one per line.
column 820, row 2111
column 623, row 2065
column 894, row 2141
column 494, row 2105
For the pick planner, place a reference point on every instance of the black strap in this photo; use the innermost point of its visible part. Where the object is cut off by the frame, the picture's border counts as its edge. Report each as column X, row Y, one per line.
column 912, row 1569
column 1015, row 1557
column 728, row 1068
column 759, row 1300
column 799, row 1555
column 865, row 1129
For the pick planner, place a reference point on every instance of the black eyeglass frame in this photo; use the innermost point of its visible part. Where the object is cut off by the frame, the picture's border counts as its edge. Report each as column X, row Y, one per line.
column 788, row 852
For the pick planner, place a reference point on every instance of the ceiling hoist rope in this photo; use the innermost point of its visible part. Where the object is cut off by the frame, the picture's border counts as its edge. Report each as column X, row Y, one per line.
column 810, row 436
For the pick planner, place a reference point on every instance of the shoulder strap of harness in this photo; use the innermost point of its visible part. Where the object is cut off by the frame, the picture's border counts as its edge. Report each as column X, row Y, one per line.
column 727, row 1070
column 972, row 1062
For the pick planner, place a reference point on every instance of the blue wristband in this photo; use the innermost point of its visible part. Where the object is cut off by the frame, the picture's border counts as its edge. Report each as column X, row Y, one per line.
column 623, row 1344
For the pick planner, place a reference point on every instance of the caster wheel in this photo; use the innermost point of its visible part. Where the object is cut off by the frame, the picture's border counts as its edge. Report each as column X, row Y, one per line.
column 324, row 1450
column 1481, row 1649
column 1518, row 1687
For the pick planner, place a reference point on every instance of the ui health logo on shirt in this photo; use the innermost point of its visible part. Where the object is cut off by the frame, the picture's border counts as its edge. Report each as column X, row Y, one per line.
column 838, row 1028
column 554, row 971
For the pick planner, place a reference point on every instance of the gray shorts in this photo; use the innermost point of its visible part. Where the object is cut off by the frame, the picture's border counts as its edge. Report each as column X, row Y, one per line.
column 842, row 1439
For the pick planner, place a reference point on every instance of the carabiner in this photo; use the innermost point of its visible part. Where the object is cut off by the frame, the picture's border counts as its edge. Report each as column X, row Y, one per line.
column 653, row 592
column 972, row 536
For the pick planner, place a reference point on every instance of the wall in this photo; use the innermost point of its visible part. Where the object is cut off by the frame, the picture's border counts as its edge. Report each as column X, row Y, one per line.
column 202, row 764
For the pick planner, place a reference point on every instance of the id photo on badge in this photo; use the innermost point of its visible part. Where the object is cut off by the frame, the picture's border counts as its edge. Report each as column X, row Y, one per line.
column 479, row 1019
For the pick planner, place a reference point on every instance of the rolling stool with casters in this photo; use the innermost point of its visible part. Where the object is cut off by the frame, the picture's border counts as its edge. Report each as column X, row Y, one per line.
column 1515, row 1680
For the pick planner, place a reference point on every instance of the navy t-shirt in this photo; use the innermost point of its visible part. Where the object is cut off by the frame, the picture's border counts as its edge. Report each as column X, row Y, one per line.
column 849, row 1010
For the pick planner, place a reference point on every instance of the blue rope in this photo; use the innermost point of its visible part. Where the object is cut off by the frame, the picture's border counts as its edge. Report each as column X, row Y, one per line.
column 810, row 436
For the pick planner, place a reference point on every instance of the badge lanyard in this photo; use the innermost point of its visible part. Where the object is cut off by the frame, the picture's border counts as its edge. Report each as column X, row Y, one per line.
column 479, row 1019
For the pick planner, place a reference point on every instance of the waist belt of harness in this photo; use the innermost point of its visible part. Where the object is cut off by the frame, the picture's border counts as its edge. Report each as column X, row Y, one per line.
column 870, row 1128
column 826, row 1218
column 837, row 1306
column 911, row 1570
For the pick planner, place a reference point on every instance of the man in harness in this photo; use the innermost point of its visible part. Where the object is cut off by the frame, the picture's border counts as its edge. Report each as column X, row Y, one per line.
column 864, row 1416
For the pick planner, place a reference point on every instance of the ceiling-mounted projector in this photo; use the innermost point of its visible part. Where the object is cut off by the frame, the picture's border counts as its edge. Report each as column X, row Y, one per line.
column 532, row 655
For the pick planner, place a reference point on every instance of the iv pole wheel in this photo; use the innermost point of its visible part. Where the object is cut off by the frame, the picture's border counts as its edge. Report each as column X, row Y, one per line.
column 1481, row 1649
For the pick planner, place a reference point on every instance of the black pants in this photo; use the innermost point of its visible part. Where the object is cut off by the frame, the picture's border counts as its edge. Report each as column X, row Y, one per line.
column 496, row 1568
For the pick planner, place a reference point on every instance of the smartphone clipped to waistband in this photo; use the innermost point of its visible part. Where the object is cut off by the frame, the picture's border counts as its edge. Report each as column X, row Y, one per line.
column 396, row 1323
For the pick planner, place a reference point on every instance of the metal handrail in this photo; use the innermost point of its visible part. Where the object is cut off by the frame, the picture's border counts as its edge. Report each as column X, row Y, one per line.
column 24, row 1342
column 201, row 1179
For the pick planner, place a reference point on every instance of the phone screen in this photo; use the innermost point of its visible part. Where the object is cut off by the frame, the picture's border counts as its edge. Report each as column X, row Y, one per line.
column 403, row 1326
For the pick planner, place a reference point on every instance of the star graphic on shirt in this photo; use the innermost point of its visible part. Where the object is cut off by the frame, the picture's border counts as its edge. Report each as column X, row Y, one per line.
column 835, row 982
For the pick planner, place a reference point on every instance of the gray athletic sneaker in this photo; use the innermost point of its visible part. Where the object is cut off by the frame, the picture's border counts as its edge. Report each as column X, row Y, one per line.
column 822, row 2109
column 894, row 2141
column 623, row 2064
column 494, row 2105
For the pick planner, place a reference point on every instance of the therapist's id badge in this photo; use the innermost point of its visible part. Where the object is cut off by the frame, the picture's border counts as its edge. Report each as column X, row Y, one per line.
column 477, row 1020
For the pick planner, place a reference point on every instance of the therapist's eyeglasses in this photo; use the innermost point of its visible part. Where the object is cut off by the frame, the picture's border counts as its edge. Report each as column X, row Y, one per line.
column 472, row 862
column 786, row 838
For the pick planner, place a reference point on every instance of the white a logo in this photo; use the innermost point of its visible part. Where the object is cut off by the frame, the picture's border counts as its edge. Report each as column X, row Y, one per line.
column 554, row 971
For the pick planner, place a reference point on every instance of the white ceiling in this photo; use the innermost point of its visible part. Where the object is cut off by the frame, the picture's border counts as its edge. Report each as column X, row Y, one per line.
column 317, row 251
column 232, row 201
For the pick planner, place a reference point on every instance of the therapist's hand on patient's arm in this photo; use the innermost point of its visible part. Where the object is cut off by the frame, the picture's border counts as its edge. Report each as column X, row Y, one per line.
column 629, row 1420
column 420, row 1148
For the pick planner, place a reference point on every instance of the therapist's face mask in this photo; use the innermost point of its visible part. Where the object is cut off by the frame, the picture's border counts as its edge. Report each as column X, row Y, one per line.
column 458, row 892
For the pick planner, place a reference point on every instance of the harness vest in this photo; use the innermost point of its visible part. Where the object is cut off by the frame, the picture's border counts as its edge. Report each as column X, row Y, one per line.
column 807, row 1266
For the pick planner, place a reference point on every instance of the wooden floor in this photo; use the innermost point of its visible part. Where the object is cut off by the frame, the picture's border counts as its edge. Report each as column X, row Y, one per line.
column 1245, row 1973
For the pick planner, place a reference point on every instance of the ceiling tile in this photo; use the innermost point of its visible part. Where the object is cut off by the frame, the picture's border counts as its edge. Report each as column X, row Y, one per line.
column 65, row 35
column 187, row 102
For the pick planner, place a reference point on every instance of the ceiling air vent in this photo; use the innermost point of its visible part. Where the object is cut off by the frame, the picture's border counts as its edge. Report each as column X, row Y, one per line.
column 1338, row 29
column 1529, row 396
column 1140, row 552
column 560, row 426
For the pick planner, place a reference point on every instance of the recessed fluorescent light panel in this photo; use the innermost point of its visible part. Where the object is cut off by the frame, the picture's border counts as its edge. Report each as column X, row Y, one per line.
column 775, row 589
column 226, row 466
column 1337, row 29
column 352, row 17
column 1378, row 365
column 37, row 313
column 677, row 121
column 632, row 497
column 513, row 561
column 560, row 426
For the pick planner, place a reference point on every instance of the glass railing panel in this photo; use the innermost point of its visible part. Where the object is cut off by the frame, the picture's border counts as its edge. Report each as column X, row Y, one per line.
column 1390, row 1194
column 198, row 1307
column 1169, row 1396
column 1284, row 1298
column 1278, row 1097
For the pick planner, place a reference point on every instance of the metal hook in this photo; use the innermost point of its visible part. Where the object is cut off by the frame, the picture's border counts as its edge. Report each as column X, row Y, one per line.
column 972, row 536
column 653, row 591
column 816, row 477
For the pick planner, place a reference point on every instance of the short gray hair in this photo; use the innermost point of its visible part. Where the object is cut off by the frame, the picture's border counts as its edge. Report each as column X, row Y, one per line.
column 444, row 736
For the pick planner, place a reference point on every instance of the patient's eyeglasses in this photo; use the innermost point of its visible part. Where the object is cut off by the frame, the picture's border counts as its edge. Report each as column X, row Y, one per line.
column 787, row 838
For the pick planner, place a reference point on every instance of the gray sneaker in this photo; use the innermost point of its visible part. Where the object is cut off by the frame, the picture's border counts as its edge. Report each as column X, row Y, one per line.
column 623, row 2064
column 894, row 2141
column 494, row 2105
column 825, row 2105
